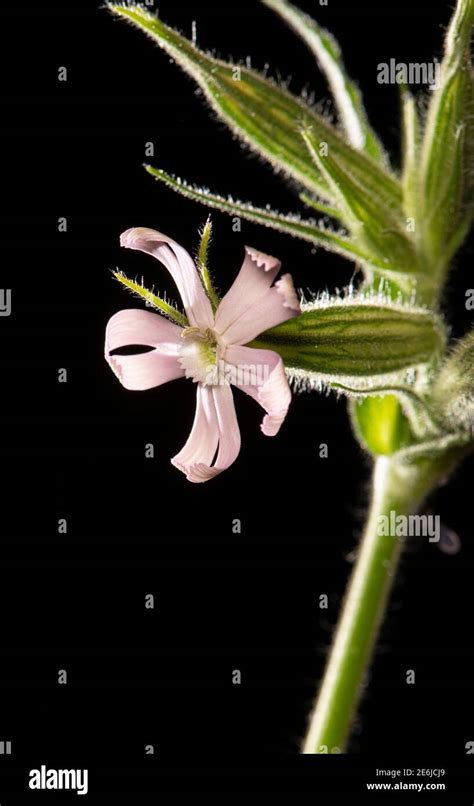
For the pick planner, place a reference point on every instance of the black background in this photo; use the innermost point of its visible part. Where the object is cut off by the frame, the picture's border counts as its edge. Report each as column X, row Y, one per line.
column 223, row 601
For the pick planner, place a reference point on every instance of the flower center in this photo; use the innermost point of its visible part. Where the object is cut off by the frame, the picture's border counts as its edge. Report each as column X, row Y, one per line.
column 199, row 354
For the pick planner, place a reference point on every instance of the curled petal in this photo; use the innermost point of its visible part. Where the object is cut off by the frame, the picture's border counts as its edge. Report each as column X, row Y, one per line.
column 144, row 370
column 181, row 267
column 251, row 284
column 261, row 374
column 215, row 428
column 277, row 304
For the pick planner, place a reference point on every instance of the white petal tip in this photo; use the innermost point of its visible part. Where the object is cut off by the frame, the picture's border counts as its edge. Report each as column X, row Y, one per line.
column 263, row 261
column 197, row 473
column 126, row 237
column 272, row 423
column 286, row 288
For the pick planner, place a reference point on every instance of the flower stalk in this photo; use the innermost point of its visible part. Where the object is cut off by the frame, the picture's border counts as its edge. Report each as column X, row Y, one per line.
column 398, row 489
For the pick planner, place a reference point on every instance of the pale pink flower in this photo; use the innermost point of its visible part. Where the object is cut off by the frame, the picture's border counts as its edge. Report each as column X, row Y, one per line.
column 210, row 350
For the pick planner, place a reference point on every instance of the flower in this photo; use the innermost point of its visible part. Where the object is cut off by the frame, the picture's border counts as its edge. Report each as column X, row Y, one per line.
column 209, row 349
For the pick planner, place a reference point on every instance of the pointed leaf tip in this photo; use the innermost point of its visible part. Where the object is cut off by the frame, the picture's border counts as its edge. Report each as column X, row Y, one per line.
column 346, row 94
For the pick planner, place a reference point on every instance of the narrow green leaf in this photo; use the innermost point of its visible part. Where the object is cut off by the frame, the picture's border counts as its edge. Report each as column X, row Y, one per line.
column 152, row 299
column 346, row 94
column 449, row 113
column 411, row 146
column 265, row 116
column 445, row 215
column 316, row 204
column 447, row 160
column 373, row 226
column 458, row 35
column 203, row 263
column 306, row 230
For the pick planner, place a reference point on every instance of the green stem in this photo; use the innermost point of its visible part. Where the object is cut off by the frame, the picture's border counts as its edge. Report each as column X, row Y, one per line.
column 399, row 488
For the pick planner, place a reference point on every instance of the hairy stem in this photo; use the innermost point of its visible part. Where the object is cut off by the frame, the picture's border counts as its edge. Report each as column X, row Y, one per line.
column 401, row 489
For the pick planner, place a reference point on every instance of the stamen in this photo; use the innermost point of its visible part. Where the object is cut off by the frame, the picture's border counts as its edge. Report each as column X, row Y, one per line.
column 192, row 331
column 199, row 354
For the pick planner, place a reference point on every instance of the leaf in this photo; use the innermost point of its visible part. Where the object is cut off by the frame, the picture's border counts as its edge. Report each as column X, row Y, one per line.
column 411, row 146
column 444, row 163
column 445, row 215
column 448, row 143
column 203, row 263
column 306, row 230
column 310, row 201
column 375, row 227
column 164, row 307
column 346, row 94
column 354, row 341
column 265, row 116
column 458, row 35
